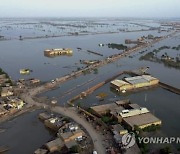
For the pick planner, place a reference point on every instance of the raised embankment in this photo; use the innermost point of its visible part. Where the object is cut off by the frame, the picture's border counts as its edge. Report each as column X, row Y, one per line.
column 169, row 88
column 92, row 89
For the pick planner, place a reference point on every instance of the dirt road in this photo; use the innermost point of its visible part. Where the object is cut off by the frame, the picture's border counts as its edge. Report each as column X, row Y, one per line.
column 71, row 113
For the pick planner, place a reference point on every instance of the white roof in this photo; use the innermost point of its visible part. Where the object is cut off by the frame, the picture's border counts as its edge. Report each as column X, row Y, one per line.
column 148, row 77
column 119, row 82
column 140, row 79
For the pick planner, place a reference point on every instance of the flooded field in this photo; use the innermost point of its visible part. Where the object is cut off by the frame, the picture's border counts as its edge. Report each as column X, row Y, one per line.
column 52, row 27
column 29, row 53
column 166, row 74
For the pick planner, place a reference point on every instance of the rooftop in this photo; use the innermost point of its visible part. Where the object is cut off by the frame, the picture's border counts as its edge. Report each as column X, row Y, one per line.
column 69, row 134
column 118, row 127
column 119, row 83
column 122, row 102
column 44, row 116
column 70, row 144
column 103, row 108
column 40, row 151
column 134, row 106
column 116, row 110
column 136, row 79
column 148, row 77
column 140, row 79
column 142, row 119
column 55, row 144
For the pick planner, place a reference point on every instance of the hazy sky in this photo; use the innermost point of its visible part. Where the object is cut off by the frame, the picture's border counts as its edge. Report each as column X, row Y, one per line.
column 89, row 8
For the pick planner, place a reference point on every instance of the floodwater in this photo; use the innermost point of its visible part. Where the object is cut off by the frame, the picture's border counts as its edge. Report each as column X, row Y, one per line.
column 26, row 130
column 24, row 134
column 30, row 54
column 42, row 27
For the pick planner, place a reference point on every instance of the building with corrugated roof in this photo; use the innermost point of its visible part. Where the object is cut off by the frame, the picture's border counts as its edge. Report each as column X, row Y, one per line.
column 133, row 83
column 142, row 120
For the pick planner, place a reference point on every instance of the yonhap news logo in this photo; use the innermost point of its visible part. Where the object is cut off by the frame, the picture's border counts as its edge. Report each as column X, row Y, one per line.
column 128, row 140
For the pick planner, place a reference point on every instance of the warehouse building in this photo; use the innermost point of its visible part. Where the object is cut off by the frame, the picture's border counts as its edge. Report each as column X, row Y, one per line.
column 134, row 83
column 142, row 120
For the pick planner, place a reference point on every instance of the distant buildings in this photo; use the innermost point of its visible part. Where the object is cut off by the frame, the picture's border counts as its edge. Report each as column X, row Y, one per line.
column 10, row 104
column 4, row 79
column 6, row 91
column 24, row 71
column 9, row 101
column 16, row 103
column 56, row 52
column 34, row 81
column 140, row 40
column 133, row 83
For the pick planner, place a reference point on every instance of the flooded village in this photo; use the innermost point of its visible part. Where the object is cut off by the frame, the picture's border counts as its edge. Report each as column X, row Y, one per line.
column 80, row 86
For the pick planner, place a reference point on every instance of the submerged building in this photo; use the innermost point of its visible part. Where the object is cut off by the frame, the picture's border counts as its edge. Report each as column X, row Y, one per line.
column 56, row 52
column 133, row 83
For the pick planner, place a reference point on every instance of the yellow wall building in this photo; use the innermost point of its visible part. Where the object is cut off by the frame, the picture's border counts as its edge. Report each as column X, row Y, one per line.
column 134, row 83
column 142, row 120
column 61, row 51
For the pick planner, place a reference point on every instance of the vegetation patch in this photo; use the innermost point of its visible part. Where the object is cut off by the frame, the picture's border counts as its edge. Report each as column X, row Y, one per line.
column 117, row 46
column 109, row 120
column 165, row 58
